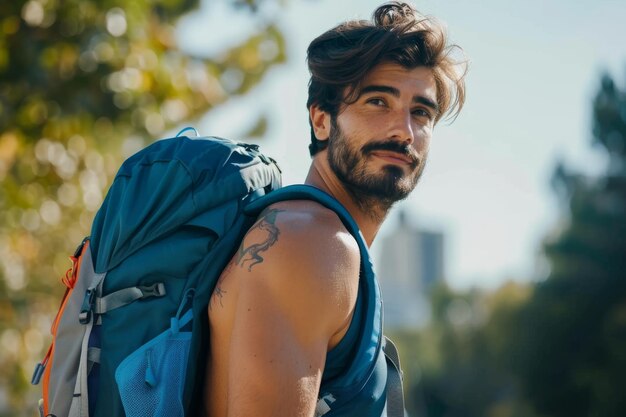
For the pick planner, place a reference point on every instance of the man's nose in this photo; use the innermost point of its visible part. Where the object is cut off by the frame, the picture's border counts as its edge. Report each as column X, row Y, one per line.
column 402, row 127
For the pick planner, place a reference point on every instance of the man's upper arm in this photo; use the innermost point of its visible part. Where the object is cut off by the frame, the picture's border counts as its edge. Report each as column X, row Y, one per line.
column 295, row 294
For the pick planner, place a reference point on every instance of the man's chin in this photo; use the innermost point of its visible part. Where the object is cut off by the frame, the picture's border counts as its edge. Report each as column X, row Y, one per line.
column 390, row 189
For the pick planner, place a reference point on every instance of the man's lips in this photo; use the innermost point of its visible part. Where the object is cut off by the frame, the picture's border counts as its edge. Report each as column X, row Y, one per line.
column 394, row 157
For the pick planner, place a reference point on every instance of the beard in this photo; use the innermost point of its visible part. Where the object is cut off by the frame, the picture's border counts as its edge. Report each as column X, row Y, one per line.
column 373, row 191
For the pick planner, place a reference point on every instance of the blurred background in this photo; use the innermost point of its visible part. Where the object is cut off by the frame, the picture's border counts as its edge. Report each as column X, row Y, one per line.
column 504, row 273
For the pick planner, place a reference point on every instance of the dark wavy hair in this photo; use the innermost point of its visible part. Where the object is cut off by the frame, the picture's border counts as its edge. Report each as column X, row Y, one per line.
column 340, row 58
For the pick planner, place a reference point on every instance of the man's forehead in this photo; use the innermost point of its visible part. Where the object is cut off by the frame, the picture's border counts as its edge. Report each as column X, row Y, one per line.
column 404, row 79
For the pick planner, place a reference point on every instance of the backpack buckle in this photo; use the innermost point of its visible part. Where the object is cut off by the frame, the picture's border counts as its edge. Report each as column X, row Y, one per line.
column 84, row 316
column 154, row 290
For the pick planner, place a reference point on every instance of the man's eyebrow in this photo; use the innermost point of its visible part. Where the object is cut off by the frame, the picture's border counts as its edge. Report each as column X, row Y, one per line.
column 427, row 102
column 396, row 93
column 380, row 89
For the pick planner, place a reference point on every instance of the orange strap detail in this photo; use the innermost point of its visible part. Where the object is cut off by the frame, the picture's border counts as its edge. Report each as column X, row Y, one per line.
column 69, row 280
column 71, row 274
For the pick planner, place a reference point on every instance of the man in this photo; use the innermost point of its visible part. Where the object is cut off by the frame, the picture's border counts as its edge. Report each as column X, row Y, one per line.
column 288, row 296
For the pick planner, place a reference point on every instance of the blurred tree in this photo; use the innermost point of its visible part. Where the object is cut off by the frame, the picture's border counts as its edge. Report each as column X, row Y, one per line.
column 570, row 339
column 84, row 83
column 463, row 356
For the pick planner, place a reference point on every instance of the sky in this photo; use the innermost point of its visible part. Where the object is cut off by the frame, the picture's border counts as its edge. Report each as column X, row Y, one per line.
column 534, row 68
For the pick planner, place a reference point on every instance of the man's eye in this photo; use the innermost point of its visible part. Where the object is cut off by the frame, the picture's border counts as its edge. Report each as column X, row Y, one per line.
column 376, row 101
column 422, row 113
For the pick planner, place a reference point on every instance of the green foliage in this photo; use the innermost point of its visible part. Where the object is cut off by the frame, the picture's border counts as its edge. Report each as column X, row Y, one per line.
column 463, row 356
column 571, row 336
column 82, row 85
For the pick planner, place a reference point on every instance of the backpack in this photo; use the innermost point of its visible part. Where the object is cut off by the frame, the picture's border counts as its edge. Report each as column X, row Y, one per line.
column 132, row 328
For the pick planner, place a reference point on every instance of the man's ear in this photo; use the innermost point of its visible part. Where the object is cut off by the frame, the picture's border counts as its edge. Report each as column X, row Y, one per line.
column 320, row 121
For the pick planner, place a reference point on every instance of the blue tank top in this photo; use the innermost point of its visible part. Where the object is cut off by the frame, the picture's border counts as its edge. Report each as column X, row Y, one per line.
column 355, row 374
column 338, row 357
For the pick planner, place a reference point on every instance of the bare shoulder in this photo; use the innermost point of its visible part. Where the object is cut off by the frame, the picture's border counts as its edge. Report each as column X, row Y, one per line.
column 301, row 234
column 303, row 254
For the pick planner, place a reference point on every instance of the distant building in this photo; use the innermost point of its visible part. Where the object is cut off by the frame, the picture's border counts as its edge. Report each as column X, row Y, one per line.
column 410, row 261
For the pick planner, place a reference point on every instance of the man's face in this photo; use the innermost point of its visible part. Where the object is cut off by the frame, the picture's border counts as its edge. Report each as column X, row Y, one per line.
column 378, row 145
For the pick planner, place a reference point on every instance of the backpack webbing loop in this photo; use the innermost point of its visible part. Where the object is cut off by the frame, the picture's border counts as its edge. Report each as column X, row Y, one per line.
column 126, row 296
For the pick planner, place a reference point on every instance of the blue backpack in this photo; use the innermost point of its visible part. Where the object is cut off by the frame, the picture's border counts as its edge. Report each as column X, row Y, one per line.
column 131, row 335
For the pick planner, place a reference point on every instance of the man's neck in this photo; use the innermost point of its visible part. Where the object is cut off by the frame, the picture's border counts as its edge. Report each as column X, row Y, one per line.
column 369, row 222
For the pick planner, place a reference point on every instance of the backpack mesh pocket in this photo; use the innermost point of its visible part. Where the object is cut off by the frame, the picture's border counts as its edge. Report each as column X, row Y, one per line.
column 152, row 378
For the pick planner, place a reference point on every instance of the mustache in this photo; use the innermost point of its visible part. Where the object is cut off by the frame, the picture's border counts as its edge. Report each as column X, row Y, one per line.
column 392, row 146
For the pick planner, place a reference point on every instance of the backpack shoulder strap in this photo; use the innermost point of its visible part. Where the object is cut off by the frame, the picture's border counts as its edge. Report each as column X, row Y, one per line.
column 395, row 394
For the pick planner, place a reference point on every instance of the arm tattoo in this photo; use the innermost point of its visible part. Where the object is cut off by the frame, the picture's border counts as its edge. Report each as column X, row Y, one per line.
column 218, row 292
column 251, row 253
